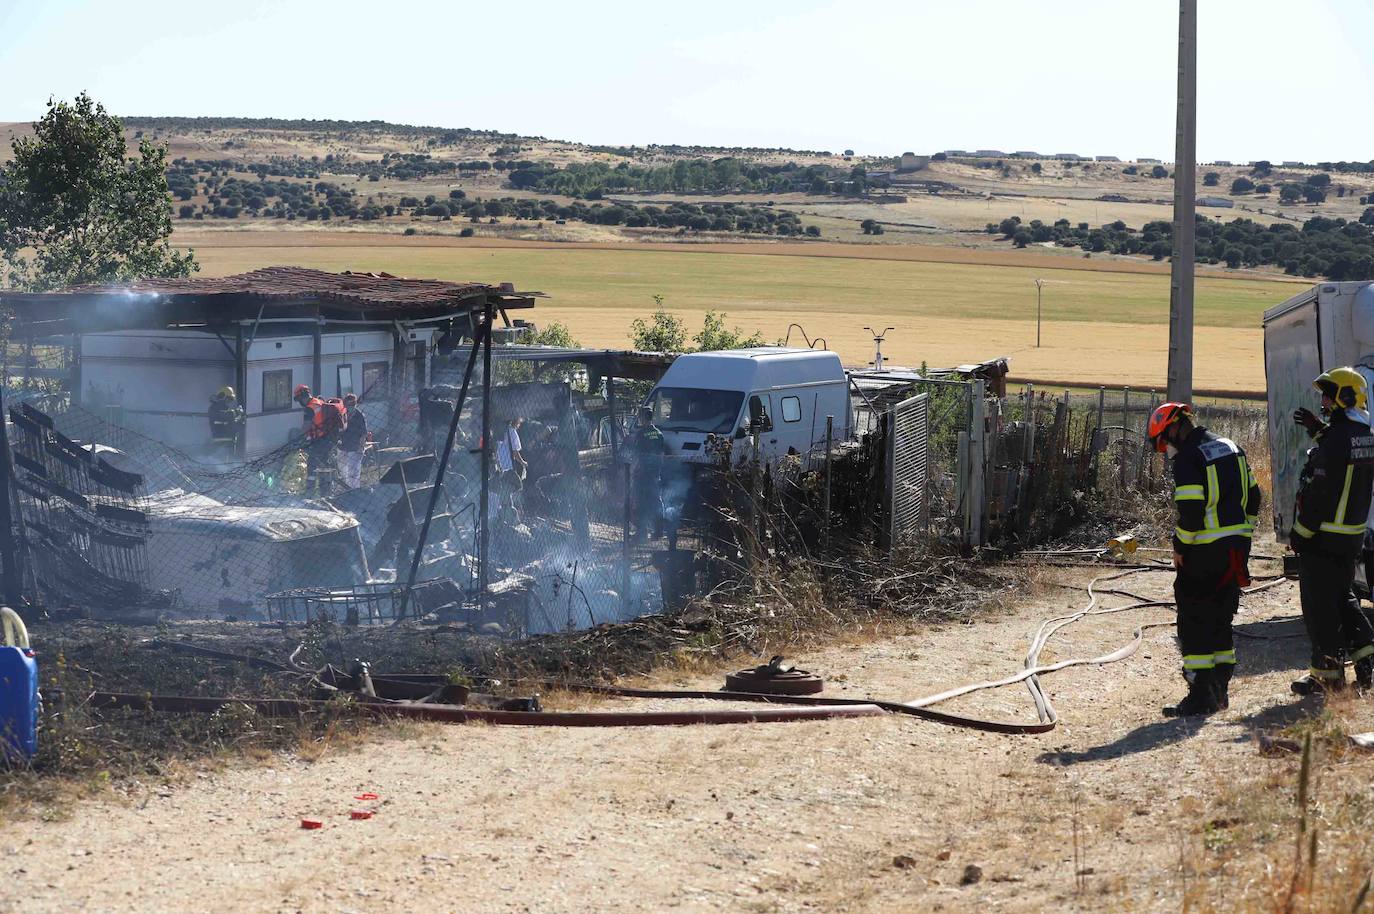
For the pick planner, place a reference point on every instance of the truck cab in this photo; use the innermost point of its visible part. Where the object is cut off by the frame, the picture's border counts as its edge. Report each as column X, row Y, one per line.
column 781, row 395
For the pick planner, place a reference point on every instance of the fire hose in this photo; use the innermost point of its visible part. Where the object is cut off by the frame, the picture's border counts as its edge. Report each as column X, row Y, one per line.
column 800, row 707
column 920, row 707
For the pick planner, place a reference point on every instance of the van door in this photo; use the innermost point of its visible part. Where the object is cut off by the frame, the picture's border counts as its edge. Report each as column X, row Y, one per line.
column 792, row 424
column 759, row 416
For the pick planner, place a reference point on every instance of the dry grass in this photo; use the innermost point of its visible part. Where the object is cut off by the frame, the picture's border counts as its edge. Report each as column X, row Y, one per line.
column 1298, row 838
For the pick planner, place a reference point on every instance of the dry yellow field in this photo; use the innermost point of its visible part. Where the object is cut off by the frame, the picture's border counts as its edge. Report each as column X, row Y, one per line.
column 1101, row 326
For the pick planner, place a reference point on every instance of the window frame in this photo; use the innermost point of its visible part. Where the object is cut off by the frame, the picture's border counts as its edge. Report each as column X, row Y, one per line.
column 782, row 408
column 274, row 373
column 338, row 379
column 385, row 369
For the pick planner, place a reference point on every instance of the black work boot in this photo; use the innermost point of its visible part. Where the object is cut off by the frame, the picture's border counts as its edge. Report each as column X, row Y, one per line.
column 1312, row 685
column 1221, row 683
column 1201, row 699
column 1364, row 674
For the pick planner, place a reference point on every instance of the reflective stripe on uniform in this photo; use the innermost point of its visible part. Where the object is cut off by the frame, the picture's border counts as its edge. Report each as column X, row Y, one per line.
column 1327, row 674
column 1343, row 529
column 1302, row 531
column 1345, row 495
column 1342, row 523
column 1246, row 480
column 1199, row 661
column 1213, row 496
column 1196, row 537
column 1225, row 656
column 1360, row 654
column 1188, row 493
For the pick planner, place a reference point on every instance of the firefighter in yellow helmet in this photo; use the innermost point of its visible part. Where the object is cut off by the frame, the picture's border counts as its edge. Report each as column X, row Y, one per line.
column 226, row 419
column 1329, row 532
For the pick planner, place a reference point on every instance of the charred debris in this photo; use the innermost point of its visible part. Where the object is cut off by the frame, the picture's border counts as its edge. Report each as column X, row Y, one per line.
column 498, row 488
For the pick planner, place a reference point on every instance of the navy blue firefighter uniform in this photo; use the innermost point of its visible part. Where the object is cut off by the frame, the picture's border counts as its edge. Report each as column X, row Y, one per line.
column 1328, row 535
column 1217, row 501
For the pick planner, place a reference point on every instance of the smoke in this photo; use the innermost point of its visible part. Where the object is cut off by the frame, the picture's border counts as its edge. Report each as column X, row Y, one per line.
column 576, row 590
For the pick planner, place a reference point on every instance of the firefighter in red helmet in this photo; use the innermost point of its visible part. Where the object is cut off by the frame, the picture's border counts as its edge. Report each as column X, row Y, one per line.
column 1217, row 501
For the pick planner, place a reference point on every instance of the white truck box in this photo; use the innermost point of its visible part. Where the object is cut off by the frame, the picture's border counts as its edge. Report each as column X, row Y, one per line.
column 1324, row 327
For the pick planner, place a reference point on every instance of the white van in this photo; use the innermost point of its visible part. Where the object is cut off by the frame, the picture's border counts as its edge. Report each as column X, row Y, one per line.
column 787, row 393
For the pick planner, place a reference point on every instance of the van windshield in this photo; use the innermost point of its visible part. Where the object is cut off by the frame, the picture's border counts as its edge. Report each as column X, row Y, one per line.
column 689, row 409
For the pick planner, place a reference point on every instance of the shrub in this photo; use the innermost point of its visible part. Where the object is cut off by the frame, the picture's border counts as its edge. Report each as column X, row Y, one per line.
column 467, row 232
column 1242, row 186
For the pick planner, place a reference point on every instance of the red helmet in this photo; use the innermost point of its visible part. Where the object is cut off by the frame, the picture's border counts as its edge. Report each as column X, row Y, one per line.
column 1165, row 415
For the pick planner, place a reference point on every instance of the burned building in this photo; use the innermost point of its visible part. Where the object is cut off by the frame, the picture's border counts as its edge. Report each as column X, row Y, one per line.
column 123, row 498
column 152, row 353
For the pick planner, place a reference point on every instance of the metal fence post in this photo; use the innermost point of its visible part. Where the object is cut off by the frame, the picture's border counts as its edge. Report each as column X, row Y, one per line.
column 9, row 548
column 484, row 543
column 825, row 504
column 977, row 464
column 1029, row 447
column 1125, row 429
column 616, row 462
column 1099, row 434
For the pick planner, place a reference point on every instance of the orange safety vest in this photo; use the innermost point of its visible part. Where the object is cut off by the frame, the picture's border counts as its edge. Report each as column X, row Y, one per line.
column 316, row 430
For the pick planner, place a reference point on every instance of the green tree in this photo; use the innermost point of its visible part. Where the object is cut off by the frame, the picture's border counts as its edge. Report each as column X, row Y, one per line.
column 1211, row 179
column 555, row 334
column 715, row 335
column 1242, row 186
column 661, row 333
column 1159, row 171
column 75, row 209
column 1290, row 193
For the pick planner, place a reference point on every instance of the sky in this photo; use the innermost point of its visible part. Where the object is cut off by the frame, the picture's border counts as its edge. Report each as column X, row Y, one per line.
column 1277, row 79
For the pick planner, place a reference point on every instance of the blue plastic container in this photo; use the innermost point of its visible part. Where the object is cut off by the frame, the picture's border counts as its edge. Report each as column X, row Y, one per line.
column 18, row 692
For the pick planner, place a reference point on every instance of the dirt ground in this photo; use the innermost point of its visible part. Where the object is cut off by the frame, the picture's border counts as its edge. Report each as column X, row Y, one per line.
column 881, row 814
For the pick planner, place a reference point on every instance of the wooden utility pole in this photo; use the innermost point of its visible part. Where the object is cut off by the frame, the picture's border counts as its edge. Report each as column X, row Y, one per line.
column 1185, row 204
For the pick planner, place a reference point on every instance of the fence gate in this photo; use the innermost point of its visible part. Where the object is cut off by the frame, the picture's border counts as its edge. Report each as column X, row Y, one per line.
column 908, row 463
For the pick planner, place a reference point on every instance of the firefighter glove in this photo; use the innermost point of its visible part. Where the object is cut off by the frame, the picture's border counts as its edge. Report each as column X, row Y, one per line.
column 1307, row 419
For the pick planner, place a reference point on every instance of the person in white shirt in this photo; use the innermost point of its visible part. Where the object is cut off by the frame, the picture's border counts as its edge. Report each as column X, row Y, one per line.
column 510, row 462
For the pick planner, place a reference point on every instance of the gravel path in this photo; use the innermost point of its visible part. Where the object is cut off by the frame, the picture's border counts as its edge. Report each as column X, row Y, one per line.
column 885, row 814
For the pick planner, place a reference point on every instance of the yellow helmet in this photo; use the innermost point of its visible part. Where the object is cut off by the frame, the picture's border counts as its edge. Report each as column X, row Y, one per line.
column 226, row 393
column 1344, row 385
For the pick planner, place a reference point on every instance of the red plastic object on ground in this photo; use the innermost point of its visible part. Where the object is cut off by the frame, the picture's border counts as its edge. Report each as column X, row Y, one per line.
column 311, row 823
column 367, row 796
column 360, row 814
